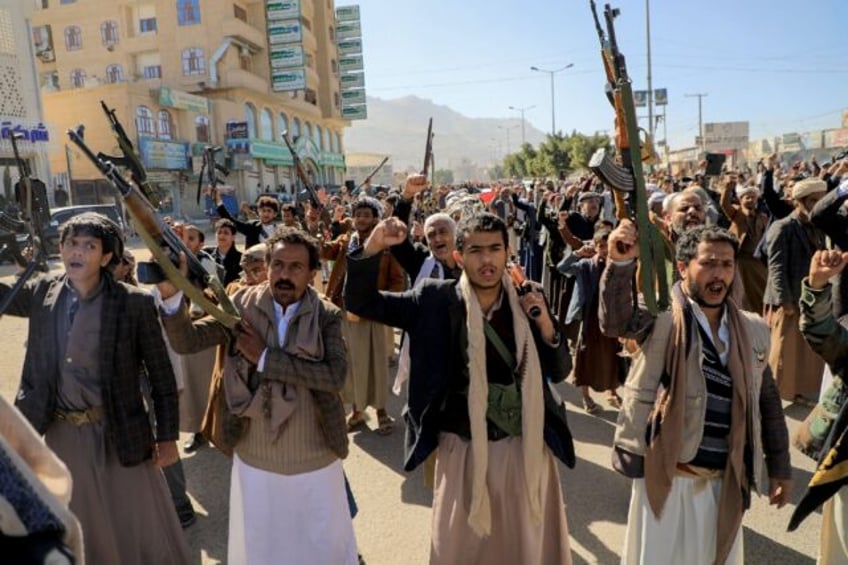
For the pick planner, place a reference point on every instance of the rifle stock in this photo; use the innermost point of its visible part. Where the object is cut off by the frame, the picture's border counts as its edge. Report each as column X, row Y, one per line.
column 156, row 235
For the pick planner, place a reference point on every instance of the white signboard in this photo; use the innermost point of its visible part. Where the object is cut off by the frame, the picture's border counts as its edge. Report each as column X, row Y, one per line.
column 355, row 112
column 348, row 30
column 282, row 10
column 288, row 31
column 351, row 63
column 352, row 80
column 287, row 56
column 350, row 46
column 283, row 81
column 721, row 136
column 352, row 97
column 347, row 13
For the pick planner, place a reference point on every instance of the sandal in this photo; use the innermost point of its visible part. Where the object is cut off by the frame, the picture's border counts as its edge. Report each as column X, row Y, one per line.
column 355, row 421
column 589, row 405
column 614, row 401
column 385, row 424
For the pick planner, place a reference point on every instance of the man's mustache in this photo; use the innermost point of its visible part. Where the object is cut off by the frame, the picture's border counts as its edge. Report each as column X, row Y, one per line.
column 283, row 284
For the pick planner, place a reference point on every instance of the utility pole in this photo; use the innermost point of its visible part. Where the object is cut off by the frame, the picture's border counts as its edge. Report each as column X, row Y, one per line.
column 700, row 96
column 507, row 128
column 522, row 110
column 650, row 86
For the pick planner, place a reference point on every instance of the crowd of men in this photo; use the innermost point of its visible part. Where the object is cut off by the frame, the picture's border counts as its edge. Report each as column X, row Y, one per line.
column 497, row 293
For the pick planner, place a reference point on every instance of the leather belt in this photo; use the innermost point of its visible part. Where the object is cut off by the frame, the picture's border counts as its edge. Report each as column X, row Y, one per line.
column 81, row 417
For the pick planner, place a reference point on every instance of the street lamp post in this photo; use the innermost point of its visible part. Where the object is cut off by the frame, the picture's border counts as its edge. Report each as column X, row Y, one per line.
column 552, row 73
column 522, row 110
column 507, row 128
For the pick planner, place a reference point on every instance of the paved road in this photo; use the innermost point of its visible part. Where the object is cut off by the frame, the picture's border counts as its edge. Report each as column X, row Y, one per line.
column 393, row 525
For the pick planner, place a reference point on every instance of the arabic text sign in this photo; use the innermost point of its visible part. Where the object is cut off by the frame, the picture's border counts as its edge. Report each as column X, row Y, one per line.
column 352, row 80
column 282, row 10
column 283, row 81
column 347, row 13
column 288, row 31
column 287, row 56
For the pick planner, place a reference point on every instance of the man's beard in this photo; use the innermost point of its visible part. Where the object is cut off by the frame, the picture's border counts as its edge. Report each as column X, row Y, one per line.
column 697, row 296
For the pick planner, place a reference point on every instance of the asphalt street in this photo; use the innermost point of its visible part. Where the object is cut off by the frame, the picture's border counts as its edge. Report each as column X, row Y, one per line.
column 393, row 525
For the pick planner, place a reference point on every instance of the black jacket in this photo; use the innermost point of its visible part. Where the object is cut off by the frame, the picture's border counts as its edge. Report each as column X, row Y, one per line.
column 231, row 263
column 433, row 315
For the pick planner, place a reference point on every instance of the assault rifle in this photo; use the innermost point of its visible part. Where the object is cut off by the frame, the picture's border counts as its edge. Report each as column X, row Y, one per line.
column 370, row 176
column 130, row 159
column 157, row 235
column 34, row 214
column 211, row 168
column 628, row 178
column 428, row 149
column 302, row 175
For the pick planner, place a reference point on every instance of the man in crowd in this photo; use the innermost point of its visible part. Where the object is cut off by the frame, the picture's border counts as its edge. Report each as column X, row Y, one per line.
column 255, row 231
column 791, row 243
column 368, row 355
column 829, row 338
column 90, row 341
column 479, row 358
column 287, row 493
column 687, row 431
column 225, row 253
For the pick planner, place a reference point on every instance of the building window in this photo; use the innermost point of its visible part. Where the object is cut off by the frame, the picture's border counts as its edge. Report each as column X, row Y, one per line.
column 67, row 2
column 147, row 25
column 283, row 124
column 201, row 129
column 250, row 118
column 336, row 100
column 109, row 32
column 307, row 130
column 114, row 73
column 152, row 71
column 295, row 132
column 334, row 67
column 319, row 137
column 339, row 144
column 165, row 125
column 73, row 38
column 266, row 127
column 328, row 145
column 194, row 62
column 188, row 12
column 332, row 33
column 144, row 121
column 239, row 12
column 78, row 78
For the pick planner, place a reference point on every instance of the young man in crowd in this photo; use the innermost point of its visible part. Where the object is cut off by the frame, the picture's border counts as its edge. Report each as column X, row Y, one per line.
column 224, row 252
column 255, row 231
column 700, row 412
column 90, row 341
column 479, row 355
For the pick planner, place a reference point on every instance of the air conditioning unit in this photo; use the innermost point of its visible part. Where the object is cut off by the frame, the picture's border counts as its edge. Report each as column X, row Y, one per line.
column 46, row 55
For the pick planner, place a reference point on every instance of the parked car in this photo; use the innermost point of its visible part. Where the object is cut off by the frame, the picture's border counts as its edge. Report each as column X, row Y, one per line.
column 61, row 215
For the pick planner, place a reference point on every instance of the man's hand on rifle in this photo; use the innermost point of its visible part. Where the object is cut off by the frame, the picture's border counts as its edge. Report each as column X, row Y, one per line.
column 414, row 185
column 167, row 289
column 215, row 195
column 388, row 232
column 623, row 242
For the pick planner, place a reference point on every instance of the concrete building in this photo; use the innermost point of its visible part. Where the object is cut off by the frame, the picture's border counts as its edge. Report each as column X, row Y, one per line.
column 20, row 107
column 184, row 74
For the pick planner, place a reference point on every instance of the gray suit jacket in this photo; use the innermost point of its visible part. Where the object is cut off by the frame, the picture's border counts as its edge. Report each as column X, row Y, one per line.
column 789, row 255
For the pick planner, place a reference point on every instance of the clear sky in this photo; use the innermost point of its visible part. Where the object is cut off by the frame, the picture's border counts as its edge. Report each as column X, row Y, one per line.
column 780, row 65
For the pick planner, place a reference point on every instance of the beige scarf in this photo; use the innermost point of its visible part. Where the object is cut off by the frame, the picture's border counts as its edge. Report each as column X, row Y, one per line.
column 663, row 452
column 532, row 407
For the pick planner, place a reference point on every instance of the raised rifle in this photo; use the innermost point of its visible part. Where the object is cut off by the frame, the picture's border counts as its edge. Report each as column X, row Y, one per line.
column 302, row 174
column 370, row 176
column 428, row 149
column 157, row 235
column 628, row 177
column 130, row 159
column 210, row 167
column 34, row 213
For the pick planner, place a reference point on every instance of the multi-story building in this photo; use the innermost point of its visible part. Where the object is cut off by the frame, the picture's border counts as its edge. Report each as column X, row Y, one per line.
column 183, row 74
column 20, row 107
